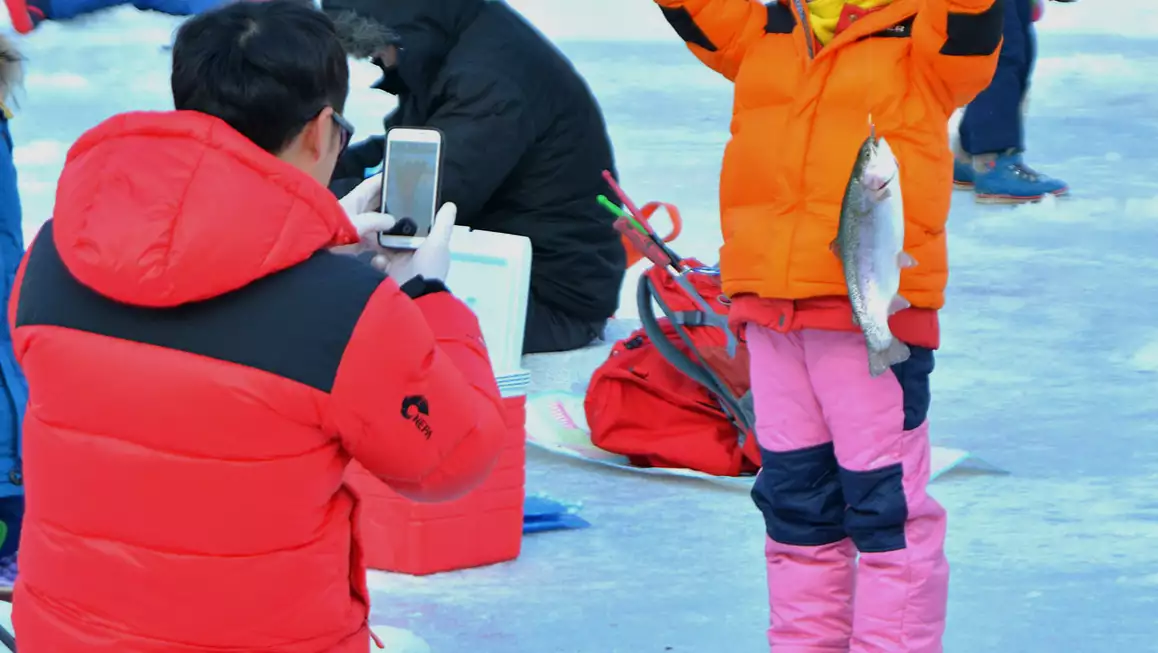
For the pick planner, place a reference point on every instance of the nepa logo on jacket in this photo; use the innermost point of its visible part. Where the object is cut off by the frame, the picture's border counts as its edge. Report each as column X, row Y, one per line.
column 416, row 409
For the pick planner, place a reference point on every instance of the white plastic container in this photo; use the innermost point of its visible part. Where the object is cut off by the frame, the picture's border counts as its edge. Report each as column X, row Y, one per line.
column 514, row 384
column 491, row 272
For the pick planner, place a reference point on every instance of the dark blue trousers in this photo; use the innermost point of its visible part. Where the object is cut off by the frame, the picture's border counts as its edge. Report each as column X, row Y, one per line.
column 12, row 514
column 992, row 121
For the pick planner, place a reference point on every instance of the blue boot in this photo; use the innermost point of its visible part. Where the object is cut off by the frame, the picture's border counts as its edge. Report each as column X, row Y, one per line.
column 963, row 174
column 1007, row 180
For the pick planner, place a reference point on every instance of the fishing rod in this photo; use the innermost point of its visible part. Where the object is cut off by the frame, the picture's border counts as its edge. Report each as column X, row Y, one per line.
column 634, row 227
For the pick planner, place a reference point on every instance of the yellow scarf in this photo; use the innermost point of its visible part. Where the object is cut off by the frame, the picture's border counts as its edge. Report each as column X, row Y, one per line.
column 825, row 15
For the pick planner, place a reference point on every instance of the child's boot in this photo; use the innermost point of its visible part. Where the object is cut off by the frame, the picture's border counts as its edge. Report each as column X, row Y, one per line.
column 1005, row 179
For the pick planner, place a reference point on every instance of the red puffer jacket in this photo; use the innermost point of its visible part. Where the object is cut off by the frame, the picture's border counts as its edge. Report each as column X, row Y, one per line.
column 201, row 372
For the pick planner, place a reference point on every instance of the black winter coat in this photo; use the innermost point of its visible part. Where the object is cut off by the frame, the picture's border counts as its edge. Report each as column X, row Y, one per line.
column 525, row 139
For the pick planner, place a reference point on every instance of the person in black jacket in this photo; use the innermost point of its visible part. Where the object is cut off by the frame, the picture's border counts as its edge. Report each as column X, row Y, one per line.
column 525, row 145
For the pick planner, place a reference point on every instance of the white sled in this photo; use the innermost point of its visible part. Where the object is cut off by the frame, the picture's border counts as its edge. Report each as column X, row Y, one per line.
column 556, row 423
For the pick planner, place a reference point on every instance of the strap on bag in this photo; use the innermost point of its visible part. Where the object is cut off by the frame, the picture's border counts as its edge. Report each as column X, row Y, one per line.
column 738, row 409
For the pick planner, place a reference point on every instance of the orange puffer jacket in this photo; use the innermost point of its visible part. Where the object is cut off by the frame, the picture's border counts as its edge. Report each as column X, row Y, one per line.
column 801, row 112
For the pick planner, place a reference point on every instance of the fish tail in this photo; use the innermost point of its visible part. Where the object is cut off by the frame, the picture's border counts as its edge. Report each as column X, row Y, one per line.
column 880, row 361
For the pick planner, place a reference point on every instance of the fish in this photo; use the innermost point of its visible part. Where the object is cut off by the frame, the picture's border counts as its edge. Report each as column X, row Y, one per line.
column 870, row 246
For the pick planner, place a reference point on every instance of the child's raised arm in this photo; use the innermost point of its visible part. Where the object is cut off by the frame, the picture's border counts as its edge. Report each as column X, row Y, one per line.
column 718, row 32
column 957, row 42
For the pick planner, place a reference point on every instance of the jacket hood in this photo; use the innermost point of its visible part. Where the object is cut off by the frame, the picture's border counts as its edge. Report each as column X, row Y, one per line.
column 426, row 31
column 164, row 208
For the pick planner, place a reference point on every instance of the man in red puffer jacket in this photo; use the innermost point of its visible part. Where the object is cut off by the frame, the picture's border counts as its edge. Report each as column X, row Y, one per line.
column 202, row 366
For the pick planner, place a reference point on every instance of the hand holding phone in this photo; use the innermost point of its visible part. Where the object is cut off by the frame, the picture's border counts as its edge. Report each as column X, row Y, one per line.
column 412, row 169
column 366, row 197
column 363, row 208
column 431, row 260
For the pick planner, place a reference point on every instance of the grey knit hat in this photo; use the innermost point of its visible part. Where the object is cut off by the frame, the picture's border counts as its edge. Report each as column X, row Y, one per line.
column 361, row 36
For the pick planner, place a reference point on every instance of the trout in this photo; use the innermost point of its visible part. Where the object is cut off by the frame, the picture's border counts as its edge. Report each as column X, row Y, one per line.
column 869, row 244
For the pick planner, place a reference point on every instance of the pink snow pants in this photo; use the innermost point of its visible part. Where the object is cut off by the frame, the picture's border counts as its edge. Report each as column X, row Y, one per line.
column 846, row 464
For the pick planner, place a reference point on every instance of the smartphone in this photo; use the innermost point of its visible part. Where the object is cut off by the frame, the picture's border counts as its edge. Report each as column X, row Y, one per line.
column 412, row 180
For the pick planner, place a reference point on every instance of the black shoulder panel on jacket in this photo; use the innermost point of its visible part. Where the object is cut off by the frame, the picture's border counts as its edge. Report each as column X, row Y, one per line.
column 781, row 20
column 294, row 323
column 683, row 24
column 975, row 35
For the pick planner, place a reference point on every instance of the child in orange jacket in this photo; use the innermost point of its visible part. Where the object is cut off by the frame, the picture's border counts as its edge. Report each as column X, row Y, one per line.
column 846, row 455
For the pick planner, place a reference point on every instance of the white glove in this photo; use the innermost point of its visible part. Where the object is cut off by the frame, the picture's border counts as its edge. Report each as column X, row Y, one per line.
column 431, row 260
column 365, row 198
column 361, row 206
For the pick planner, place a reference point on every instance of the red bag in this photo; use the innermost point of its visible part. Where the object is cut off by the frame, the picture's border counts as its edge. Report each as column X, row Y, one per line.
column 675, row 405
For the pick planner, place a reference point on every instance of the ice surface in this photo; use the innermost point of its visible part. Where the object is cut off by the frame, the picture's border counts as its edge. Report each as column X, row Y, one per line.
column 1049, row 366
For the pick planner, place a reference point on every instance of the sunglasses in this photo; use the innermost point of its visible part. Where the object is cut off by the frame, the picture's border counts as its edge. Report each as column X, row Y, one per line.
column 345, row 130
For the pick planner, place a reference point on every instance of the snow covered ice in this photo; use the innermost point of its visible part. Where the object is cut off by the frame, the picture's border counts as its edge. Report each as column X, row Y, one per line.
column 1049, row 366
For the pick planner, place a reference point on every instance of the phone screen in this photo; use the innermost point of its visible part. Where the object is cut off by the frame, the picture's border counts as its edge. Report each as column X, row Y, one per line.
column 411, row 186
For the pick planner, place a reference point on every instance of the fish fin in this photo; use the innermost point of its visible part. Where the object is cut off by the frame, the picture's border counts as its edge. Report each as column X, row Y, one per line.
column 906, row 260
column 898, row 304
column 880, row 361
column 834, row 247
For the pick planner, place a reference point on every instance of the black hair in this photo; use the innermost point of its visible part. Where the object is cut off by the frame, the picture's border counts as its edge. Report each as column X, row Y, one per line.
column 266, row 68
